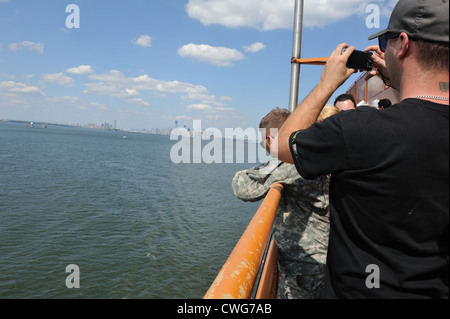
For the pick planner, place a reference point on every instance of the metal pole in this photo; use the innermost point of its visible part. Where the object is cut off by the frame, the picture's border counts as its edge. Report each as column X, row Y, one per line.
column 296, row 53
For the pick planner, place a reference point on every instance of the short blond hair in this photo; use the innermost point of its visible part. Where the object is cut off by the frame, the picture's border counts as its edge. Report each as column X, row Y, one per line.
column 275, row 119
column 328, row 110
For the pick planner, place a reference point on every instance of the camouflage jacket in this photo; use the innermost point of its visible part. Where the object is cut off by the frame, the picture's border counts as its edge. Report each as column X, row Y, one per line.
column 301, row 226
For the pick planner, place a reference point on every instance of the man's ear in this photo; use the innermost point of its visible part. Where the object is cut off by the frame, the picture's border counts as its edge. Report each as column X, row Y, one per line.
column 404, row 46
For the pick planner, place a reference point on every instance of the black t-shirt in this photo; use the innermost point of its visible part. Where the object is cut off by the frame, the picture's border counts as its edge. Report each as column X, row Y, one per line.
column 389, row 198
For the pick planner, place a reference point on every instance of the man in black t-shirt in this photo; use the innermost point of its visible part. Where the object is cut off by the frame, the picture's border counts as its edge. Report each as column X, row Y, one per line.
column 389, row 192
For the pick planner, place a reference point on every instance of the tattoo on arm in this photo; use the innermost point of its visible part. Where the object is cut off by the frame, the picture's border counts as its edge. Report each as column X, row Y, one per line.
column 443, row 86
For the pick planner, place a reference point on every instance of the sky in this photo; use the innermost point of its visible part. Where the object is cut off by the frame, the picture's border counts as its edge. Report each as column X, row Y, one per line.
column 148, row 63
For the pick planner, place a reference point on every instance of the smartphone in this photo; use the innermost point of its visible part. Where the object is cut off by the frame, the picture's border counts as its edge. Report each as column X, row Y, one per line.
column 360, row 60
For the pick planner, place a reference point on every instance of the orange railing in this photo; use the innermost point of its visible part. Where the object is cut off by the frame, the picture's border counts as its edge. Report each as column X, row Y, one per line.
column 238, row 276
column 266, row 287
column 311, row 61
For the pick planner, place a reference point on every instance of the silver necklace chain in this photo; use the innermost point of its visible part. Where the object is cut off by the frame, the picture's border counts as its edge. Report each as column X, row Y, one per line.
column 430, row 97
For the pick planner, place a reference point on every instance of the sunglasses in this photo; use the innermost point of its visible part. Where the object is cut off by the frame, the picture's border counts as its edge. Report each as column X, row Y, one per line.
column 383, row 40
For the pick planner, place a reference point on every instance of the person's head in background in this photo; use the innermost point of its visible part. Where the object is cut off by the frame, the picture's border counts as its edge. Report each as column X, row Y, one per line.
column 345, row 102
column 328, row 110
column 270, row 125
column 384, row 104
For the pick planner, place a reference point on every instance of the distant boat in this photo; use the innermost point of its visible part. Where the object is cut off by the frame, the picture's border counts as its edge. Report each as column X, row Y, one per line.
column 124, row 136
column 31, row 124
column 44, row 125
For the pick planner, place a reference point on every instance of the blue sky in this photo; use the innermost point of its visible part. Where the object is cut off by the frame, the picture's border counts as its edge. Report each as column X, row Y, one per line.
column 148, row 63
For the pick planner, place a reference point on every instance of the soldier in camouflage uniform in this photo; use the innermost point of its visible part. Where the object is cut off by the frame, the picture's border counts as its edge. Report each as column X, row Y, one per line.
column 301, row 225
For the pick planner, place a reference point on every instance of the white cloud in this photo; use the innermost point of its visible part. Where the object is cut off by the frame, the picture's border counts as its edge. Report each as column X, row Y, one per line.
column 272, row 14
column 65, row 99
column 208, row 99
column 58, row 78
column 199, row 107
column 132, row 89
column 206, row 111
column 182, row 117
column 8, row 76
column 130, row 92
column 144, row 41
column 32, row 46
column 138, row 100
column 16, row 87
column 115, row 83
column 111, row 90
column 99, row 106
column 111, row 76
column 214, row 55
column 81, row 70
column 224, row 109
column 255, row 47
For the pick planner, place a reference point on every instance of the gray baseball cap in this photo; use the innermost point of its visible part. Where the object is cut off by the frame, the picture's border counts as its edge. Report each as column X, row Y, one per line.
column 426, row 20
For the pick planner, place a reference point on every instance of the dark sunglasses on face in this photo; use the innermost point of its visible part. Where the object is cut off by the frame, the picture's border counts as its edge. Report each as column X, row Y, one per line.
column 382, row 41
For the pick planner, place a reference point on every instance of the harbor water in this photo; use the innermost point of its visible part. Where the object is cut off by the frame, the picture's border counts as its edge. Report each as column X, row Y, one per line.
column 136, row 225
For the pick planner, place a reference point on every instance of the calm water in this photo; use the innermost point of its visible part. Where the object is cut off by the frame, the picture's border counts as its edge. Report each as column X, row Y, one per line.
column 137, row 225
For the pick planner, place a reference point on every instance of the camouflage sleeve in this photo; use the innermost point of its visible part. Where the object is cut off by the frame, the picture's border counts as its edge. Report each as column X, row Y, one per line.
column 254, row 184
column 247, row 188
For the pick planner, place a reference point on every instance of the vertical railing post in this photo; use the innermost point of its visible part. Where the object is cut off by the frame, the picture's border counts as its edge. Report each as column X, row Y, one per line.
column 296, row 54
